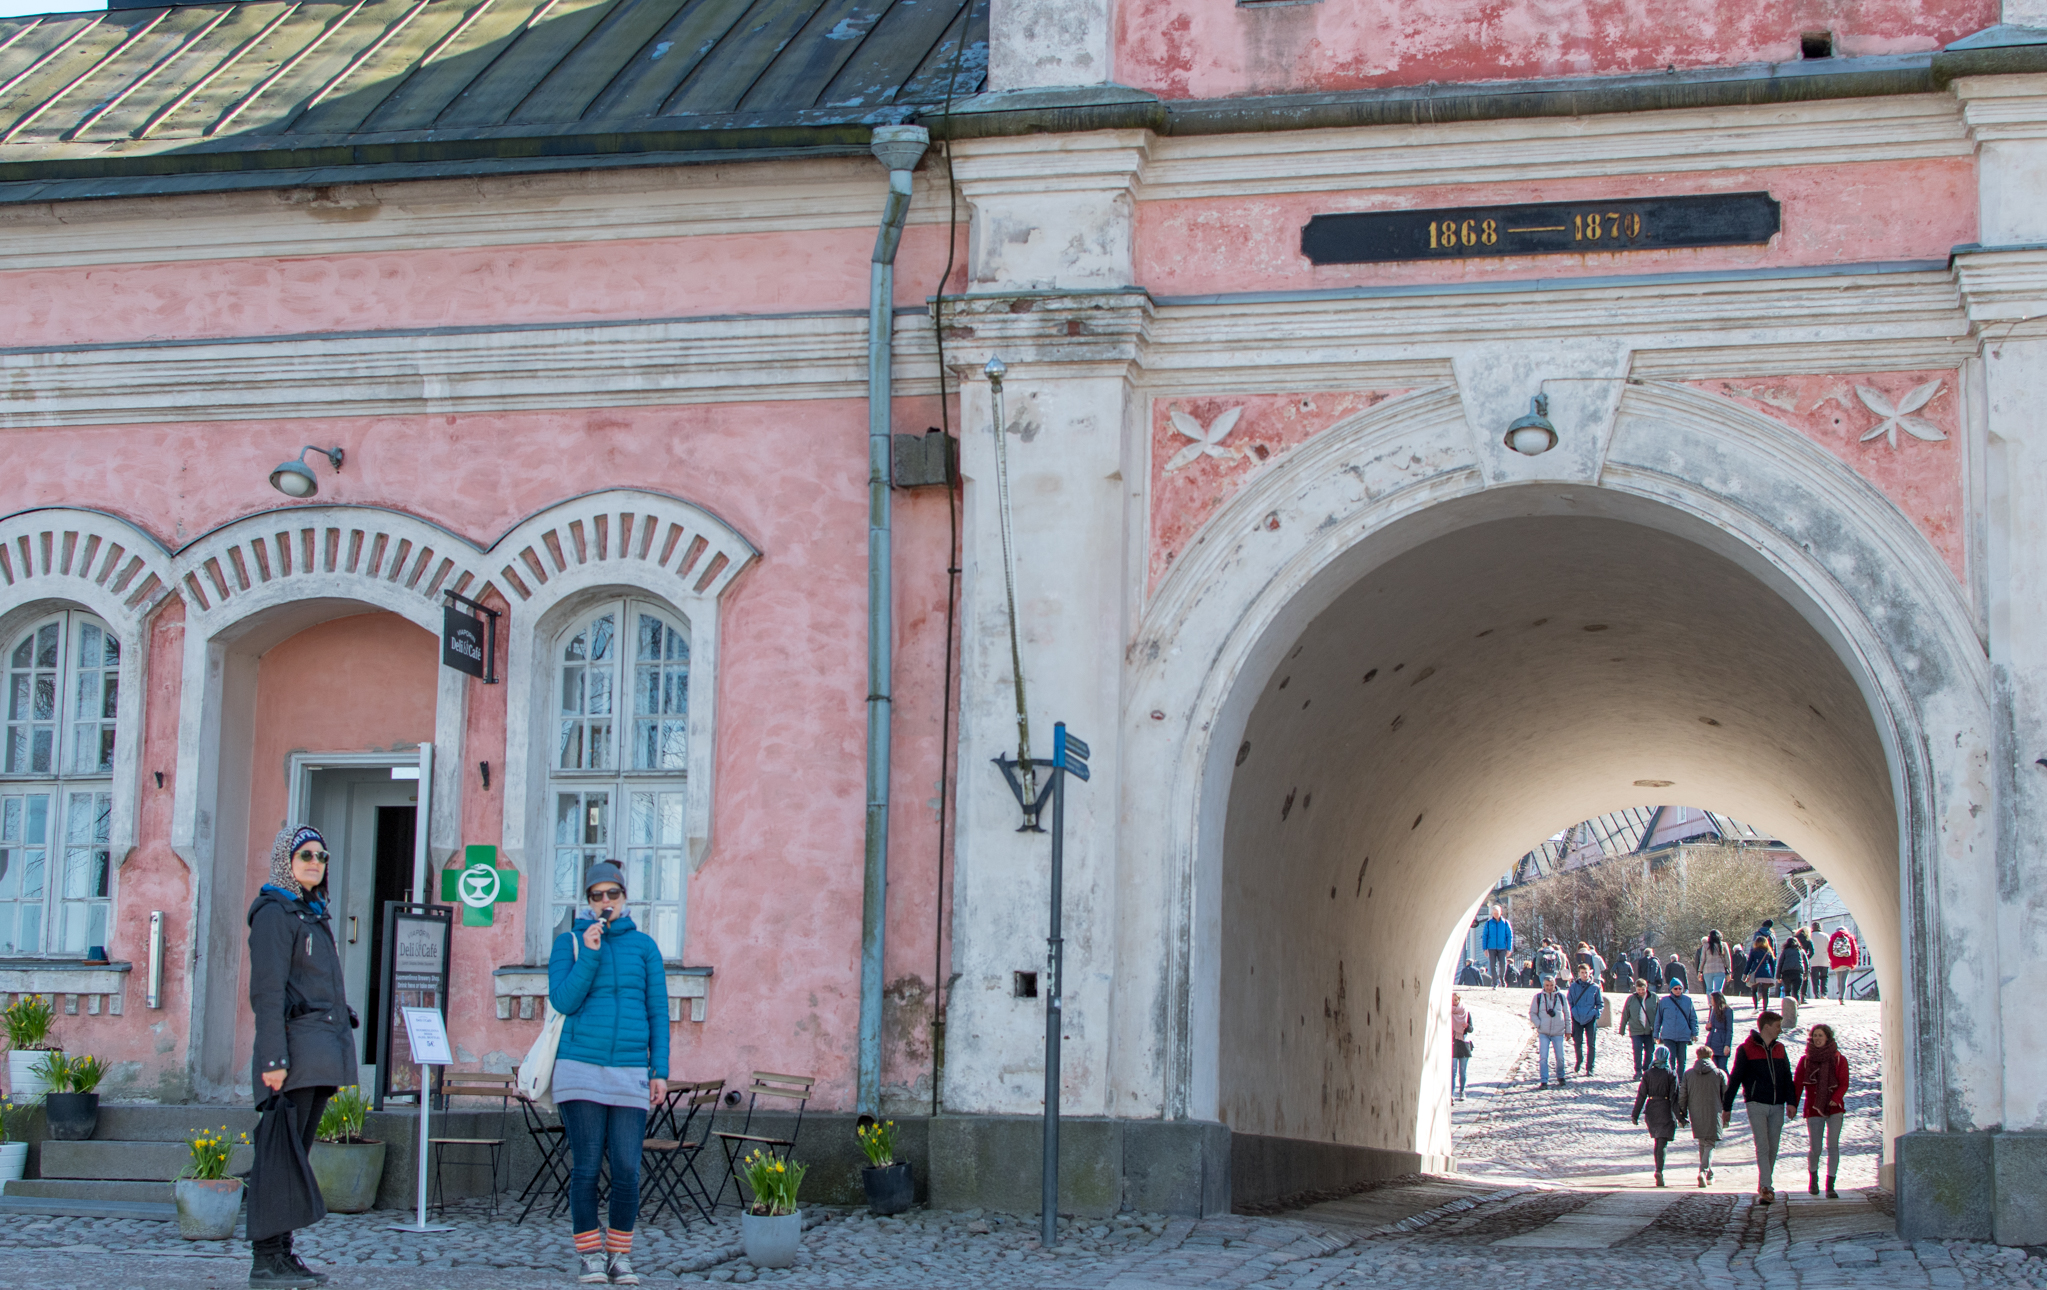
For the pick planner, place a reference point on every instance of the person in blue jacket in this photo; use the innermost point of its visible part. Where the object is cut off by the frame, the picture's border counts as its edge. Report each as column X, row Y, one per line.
column 1588, row 1006
column 1677, row 1023
column 1496, row 938
column 606, row 978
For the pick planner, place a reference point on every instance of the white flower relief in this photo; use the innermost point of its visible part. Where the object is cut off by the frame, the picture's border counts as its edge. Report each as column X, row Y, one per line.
column 1207, row 443
column 1894, row 419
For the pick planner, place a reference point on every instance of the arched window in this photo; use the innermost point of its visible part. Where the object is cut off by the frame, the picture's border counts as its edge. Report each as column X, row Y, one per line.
column 56, row 779
column 621, row 745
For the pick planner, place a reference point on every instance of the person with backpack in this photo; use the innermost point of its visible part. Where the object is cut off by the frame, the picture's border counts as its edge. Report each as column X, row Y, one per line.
column 1698, row 1103
column 1588, row 1006
column 1550, row 1013
column 1791, row 963
column 1677, row 1023
column 1549, row 960
column 1623, row 975
column 1460, row 1045
column 1496, row 938
column 1648, row 969
column 1714, row 963
column 1657, row 1093
column 1822, row 1076
column 1843, row 957
column 1638, row 1022
column 1762, row 1075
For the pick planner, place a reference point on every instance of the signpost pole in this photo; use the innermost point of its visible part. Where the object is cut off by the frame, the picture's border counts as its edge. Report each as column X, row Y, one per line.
column 1055, row 961
column 428, row 1034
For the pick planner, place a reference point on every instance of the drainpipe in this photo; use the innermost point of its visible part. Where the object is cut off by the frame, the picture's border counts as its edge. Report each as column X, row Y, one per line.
column 899, row 147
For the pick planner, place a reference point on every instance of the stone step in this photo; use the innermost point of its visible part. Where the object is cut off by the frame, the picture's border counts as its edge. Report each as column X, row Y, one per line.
column 135, row 1161
column 90, row 1189
column 55, row 1207
column 149, row 1123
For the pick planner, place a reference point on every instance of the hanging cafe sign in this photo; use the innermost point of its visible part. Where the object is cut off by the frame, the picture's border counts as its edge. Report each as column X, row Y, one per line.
column 1542, row 228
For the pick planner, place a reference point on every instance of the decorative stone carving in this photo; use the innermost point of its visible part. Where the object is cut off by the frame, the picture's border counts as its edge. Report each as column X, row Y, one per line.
column 1894, row 419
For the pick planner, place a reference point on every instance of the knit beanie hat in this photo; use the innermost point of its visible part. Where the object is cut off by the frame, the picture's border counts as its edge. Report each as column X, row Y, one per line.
column 603, row 871
column 289, row 839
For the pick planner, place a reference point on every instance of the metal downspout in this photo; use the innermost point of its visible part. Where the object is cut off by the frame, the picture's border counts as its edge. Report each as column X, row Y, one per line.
column 899, row 147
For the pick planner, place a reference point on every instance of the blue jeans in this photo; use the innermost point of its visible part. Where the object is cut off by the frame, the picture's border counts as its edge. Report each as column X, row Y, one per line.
column 1543, row 1044
column 1459, row 1067
column 594, row 1131
column 1716, row 982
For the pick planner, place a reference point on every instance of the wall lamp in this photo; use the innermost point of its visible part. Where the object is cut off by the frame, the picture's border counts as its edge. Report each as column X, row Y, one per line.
column 1533, row 435
column 296, row 479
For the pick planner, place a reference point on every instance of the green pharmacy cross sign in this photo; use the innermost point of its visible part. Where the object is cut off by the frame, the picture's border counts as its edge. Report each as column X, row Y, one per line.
column 479, row 886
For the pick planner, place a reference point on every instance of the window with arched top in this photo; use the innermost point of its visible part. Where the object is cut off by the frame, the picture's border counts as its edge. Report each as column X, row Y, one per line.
column 56, row 779
column 619, row 759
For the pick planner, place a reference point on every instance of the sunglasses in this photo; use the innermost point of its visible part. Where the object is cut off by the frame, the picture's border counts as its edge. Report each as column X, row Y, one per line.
column 309, row 854
column 608, row 894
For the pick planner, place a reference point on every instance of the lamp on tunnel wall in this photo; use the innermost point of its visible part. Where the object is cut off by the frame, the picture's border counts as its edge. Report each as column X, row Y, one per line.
column 1533, row 435
column 296, row 479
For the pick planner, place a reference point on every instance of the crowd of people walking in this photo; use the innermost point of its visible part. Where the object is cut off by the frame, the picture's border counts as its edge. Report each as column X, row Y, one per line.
column 1779, row 970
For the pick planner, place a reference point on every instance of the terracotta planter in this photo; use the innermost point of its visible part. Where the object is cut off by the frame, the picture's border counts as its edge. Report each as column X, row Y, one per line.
column 13, row 1161
column 771, row 1240
column 348, row 1174
column 72, row 1116
column 22, row 1081
column 891, row 1189
column 207, row 1208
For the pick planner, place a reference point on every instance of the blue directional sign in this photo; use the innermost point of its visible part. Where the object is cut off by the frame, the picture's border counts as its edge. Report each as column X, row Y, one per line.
column 1069, row 753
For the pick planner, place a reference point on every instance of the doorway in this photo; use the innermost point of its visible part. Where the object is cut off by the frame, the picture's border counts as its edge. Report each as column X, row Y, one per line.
column 369, row 820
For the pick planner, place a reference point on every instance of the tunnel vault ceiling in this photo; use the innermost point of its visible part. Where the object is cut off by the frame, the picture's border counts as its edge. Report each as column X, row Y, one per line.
column 1460, row 702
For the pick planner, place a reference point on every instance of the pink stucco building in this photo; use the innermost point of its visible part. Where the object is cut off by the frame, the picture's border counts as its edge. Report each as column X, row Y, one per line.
column 611, row 309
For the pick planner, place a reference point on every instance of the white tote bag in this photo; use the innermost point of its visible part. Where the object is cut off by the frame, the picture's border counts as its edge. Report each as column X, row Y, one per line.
column 536, row 1073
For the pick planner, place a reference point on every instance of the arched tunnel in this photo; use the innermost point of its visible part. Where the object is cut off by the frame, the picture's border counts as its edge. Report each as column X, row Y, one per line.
column 1450, row 707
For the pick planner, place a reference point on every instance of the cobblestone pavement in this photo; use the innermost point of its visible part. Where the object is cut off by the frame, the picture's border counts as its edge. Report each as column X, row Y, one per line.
column 1554, row 1193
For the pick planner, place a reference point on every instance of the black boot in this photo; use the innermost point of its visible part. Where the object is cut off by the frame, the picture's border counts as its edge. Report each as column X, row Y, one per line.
column 272, row 1269
column 1831, row 1195
column 298, row 1264
column 1812, row 1182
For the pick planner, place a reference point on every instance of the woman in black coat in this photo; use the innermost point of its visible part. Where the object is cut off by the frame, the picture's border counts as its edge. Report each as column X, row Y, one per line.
column 1656, row 1095
column 304, row 1050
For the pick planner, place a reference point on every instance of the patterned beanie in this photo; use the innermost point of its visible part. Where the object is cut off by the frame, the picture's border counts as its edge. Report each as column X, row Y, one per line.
column 289, row 839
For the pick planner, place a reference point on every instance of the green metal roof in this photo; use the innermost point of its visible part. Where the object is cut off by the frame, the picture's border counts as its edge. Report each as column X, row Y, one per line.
column 266, row 92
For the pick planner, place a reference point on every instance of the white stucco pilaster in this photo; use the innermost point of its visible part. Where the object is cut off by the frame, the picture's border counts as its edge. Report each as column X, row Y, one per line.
column 1035, row 44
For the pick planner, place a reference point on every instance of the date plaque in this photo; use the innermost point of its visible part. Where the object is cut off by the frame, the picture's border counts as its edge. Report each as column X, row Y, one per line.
column 1542, row 228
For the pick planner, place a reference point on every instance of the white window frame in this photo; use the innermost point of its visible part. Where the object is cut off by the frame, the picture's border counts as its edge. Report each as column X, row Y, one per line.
column 75, row 851
column 650, row 847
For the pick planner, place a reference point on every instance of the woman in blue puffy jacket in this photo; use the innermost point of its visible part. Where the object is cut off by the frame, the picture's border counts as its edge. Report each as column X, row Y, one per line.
column 606, row 979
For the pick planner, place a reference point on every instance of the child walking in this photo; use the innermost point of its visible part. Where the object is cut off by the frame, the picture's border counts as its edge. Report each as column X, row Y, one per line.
column 1657, row 1095
column 1699, row 1095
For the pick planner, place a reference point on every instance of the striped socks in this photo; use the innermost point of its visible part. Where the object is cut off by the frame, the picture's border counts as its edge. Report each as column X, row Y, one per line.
column 590, row 1242
column 615, row 1241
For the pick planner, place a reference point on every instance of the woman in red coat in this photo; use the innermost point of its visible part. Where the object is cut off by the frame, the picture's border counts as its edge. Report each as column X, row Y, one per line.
column 1822, row 1076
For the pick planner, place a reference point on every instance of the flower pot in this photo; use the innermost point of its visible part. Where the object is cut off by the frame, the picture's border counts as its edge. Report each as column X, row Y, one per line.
column 348, row 1174
column 890, row 1188
column 22, row 1081
column 13, row 1161
column 72, row 1116
column 771, row 1240
column 207, row 1208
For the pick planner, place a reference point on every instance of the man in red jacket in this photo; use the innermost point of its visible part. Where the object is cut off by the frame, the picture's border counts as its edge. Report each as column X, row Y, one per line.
column 1762, row 1074
column 1843, row 957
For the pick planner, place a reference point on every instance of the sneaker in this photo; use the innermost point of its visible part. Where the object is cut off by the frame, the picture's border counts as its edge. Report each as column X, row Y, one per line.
column 622, row 1273
column 275, row 1272
column 595, row 1271
column 1702, row 1178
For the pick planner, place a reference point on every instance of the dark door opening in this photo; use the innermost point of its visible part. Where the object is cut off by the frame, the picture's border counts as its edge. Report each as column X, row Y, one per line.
column 395, row 825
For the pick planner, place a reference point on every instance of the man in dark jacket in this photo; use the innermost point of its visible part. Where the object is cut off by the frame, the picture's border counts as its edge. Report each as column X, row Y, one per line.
column 303, row 1046
column 1675, row 974
column 1648, row 969
column 1469, row 974
column 1762, row 1073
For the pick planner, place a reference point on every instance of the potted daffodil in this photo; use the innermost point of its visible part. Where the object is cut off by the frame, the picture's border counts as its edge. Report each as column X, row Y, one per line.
column 890, row 1187
column 772, row 1226
column 208, row 1200
column 349, row 1166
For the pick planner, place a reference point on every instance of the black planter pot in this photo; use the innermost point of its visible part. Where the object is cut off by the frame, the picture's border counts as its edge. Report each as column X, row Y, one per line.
column 72, row 1116
column 890, row 1188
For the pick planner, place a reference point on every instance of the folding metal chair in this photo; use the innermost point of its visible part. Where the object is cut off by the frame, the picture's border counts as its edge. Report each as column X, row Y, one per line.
column 764, row 1084
column 671, row 1155
column 478, row 1084
column 552, row 1173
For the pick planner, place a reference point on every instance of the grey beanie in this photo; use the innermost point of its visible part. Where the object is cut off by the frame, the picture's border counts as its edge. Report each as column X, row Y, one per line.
column 603, row 871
